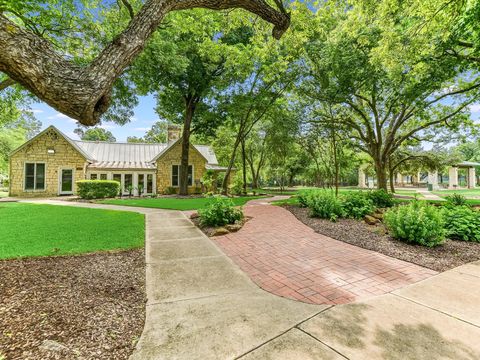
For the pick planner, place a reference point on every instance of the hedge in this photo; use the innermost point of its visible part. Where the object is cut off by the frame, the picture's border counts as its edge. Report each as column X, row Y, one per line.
column 97, row 189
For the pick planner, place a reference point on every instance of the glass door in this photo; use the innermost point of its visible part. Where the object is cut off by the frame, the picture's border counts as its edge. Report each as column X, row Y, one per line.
column 66, row 181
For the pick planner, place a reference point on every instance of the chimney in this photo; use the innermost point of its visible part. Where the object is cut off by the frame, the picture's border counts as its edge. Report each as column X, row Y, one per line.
column 173, row 133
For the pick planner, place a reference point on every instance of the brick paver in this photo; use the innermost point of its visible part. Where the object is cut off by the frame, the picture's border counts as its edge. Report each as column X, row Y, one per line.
column 287, row 258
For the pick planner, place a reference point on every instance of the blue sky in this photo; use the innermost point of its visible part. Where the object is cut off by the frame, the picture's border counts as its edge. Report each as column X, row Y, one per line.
column 143, row 119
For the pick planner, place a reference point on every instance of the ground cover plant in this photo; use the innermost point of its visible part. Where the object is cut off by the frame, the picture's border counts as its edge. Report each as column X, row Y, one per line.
column 417, row 223
column 462, row 223
column 219, row 211
column 42, row 230
column 175, row 203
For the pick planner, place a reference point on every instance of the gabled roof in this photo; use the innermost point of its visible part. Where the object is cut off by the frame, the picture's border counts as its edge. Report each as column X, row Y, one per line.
column 70, row 141
column 120, row 155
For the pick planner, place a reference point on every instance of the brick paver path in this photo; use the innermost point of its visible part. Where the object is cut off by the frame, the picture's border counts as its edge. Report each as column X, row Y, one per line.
column 287, row 258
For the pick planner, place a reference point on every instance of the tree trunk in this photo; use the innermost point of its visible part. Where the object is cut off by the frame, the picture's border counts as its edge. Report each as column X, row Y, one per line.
column 230, row 165
column 391, row 174
column 244, row 167
column 381, row 174
column 335, row 161
column 190, row 105
column 84, row 92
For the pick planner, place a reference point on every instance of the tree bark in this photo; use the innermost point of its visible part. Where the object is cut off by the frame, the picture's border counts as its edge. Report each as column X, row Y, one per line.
column 391, row 174
column 244, row 167
column 84, row 92
column 190, row 105
column 381, row 174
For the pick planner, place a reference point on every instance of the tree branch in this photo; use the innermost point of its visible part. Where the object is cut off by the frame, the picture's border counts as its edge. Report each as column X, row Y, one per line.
column 84, row 92
column 6, row 83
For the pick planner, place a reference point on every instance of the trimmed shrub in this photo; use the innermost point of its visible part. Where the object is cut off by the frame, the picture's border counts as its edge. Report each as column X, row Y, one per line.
column 356, row 205
column 170, row 190
column 417, row 223
column 324, row 204
column 380, row 198
column 97, row 189
column 219, row 211
column 456, row 200
column 462, row 223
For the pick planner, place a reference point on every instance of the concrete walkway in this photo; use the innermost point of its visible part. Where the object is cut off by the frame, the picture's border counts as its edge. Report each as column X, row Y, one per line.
column 427, row 195
column 202, row 306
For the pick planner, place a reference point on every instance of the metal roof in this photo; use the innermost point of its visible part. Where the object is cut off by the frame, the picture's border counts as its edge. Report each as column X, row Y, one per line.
column 468, row 163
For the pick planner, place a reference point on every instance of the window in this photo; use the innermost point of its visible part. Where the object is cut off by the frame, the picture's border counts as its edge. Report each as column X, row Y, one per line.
column 149, row 184
column 34, row 176
column 128, row 181
column 103, row 176
column 176, row 175
column 93, row 176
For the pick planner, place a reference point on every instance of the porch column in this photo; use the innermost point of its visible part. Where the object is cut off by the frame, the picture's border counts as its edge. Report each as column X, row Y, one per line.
column 361, row 179
column 471, row 178
column 399, row 179
column 453, row 177
column 433, row 179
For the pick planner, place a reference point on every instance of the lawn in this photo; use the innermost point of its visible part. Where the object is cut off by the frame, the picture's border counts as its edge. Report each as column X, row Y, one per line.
column 174, row 203
column 41, row 230
column 464, row 192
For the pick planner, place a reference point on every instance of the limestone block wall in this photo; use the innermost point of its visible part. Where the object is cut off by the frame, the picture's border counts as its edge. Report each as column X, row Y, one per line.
column 64, row 156
column 173, row 157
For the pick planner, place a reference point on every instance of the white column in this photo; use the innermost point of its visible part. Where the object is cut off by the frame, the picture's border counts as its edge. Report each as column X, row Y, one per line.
column 361, row 179
column 471, row 178
column 453, row 177
column 135, row 184
column 433, row 179
column 399, row 179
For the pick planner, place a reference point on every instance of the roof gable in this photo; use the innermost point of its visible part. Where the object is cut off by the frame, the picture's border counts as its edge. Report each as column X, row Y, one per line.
column 65, row 137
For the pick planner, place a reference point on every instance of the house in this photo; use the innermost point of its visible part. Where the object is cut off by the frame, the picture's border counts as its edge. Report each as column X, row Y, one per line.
column 50, row 164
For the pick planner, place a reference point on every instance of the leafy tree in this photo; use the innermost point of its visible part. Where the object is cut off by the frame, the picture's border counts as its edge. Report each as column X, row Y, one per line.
column 417, row 97
column 95, row 134
column 156, row 134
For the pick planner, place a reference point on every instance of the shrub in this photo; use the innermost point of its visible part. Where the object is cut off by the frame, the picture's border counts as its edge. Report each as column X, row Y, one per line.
column 219, row 211
column 97, row 189
column 356, row 205
column 462, row 223
column 417, row 223
column 456, row 200
column 170, row 190
column 381, row 198
column 324, row 204
column 304, row 197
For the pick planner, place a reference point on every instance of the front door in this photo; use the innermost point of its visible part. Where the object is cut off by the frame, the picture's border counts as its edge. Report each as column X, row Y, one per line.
column 66, row 181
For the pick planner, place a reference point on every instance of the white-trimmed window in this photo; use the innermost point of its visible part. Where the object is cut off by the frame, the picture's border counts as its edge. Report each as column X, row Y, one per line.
column 176, row 175
column 34, row 176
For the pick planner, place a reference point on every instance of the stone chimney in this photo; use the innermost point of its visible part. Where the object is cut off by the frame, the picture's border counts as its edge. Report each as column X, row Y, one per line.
column 173, row 133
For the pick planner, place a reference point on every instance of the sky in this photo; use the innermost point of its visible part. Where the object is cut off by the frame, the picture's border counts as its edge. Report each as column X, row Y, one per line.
column 142, row 121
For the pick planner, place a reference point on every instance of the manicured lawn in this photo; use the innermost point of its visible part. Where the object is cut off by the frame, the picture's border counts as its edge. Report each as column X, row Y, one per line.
column 173, row 203
column 464, row 192
column 42, row 230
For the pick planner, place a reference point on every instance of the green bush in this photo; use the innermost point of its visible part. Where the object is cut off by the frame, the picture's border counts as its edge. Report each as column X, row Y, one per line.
column 219, row 211
column 380, row 198
column 417, row 223
column 462, row 223
column 324, row 204
column 97, row 189
column 356, row 204
column 304, row 197
column 456, row 200
column 170, row 190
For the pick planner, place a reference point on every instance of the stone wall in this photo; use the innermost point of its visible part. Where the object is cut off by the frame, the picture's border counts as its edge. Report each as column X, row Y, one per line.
column 64, row 156
column 173, row 157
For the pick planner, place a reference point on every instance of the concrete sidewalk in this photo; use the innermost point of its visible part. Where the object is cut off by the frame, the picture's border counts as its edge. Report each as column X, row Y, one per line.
column 202, row 306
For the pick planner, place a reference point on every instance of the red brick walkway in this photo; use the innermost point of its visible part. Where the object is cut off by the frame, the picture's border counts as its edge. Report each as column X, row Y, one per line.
column 287, row 258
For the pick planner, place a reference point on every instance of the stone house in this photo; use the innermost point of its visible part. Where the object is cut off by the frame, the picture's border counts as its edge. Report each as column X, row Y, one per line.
column 51, row 163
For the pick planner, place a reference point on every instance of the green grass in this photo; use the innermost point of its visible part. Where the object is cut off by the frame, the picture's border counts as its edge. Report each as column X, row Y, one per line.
column 174, row 203
column 42, row 230
column 464, row 192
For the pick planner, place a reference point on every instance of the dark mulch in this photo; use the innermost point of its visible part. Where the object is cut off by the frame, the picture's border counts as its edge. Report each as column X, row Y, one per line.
column 443, row 257
column 92, row 304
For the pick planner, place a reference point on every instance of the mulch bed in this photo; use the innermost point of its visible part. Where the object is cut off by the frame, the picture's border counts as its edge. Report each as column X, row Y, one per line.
column 443, row 257
column 84, row 307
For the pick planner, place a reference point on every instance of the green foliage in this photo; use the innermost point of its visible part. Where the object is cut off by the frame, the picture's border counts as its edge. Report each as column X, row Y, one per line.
column 324, row 204
column 417, row 223
column 236, row 188
column 357, row 204
column 304, row 198
column 97, row 189
column 220, row 211
column 170, row 190
column 381, row 198
column 456, row 200
column 95, row 134
column 462, row 223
